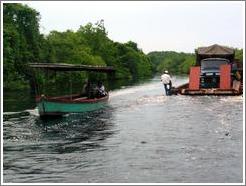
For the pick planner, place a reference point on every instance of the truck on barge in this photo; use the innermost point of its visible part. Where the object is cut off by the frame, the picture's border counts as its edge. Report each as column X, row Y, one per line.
column 216, row 72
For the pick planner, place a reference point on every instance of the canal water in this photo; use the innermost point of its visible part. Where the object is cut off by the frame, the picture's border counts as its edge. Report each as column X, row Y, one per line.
column 142, row 136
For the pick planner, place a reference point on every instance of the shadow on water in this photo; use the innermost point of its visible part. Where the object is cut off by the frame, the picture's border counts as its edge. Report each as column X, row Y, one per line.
column 20, row 100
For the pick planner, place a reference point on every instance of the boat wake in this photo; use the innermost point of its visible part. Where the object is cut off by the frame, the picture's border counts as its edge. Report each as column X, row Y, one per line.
column 232, row 99
column 136, row 89
column 152, row 100
column 11, row 113
column 33, row 112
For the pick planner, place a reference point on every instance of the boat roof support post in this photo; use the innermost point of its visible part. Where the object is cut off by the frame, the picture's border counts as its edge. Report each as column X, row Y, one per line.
column 71, row 85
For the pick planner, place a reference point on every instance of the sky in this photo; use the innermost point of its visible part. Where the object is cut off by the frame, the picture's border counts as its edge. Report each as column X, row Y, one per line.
column 154, row 26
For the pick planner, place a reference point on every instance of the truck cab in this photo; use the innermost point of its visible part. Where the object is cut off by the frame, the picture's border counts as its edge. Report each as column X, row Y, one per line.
column 210, row 72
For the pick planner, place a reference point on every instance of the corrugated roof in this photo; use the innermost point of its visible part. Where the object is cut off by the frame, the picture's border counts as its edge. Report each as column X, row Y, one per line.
column 215, row 50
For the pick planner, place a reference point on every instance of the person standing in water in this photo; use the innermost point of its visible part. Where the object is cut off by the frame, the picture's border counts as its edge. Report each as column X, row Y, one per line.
column 167, row 82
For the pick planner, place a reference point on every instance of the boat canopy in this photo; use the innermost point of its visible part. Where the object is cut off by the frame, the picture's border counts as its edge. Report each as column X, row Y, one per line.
column 71, row 67
column 214, row 51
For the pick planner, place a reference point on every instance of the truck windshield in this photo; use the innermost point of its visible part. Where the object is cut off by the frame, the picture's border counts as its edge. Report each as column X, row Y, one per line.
column 213, row 63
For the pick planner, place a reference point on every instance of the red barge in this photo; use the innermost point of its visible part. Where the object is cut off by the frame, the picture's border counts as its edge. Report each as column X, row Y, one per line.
column 216, row 72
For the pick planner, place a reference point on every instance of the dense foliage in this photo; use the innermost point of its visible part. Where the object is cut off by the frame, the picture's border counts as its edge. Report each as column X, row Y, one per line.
column 239, row 54
column 21, row 42
column 179, row 63
column 174, row 62
column 89, row 45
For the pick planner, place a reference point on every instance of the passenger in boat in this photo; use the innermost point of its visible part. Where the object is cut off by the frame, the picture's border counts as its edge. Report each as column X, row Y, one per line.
column 167, row 82
column 101, row 92
column 86, row 91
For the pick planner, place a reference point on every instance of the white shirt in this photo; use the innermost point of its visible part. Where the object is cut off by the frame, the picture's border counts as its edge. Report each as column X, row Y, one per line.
column 165, row 78
column 102, row 89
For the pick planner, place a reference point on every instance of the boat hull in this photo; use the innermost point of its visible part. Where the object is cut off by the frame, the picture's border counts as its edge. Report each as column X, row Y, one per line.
column 55, row 107
column 184, row 90
column 216, row 92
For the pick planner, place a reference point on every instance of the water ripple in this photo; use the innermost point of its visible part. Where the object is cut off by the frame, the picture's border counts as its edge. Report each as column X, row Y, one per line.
column 141, row 136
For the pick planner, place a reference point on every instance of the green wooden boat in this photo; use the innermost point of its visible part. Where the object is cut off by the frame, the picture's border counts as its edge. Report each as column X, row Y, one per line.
column 53, row 106
column 76, row 103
